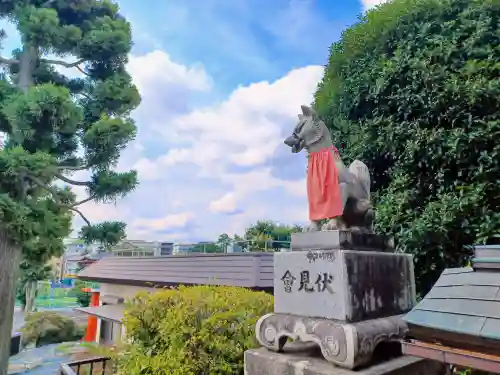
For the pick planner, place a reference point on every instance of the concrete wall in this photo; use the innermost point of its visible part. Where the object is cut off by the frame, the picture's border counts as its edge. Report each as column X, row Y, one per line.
column 123, row 291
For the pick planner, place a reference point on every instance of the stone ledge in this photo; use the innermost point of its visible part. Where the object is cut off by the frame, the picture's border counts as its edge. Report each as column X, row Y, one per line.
column 340, row 239
column 264, row 362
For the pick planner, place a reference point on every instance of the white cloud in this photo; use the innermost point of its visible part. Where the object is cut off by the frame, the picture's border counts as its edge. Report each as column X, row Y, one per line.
column 244, row 130
column 369, row 4
column 217, row 158
column 199, row 163
column 157, row 69
column 174, row 221
column 226, row 204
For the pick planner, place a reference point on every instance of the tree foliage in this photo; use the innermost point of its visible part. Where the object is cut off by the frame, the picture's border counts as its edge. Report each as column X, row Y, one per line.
column 57, row 125
column 208, row 247
column 106, row 234
column 412, row 89
column 192, row 330
column 269, row 235
column 82, row 298
column 31, row 273
column 223, row 241
column 48, row 327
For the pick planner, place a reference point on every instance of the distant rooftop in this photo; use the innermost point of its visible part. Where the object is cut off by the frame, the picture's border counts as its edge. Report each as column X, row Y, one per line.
column 251, row 270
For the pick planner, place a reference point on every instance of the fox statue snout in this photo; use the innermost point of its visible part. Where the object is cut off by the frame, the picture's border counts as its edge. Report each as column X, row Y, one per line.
column 294, row 142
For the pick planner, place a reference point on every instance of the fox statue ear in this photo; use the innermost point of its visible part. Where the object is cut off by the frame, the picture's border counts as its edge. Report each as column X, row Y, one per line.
column 307, row 111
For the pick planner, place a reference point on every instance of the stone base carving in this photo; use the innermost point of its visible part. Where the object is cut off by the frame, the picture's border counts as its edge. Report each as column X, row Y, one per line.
column 348, row 345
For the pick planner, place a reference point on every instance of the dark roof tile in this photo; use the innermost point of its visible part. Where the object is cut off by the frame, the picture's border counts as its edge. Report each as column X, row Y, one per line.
column 252, row 270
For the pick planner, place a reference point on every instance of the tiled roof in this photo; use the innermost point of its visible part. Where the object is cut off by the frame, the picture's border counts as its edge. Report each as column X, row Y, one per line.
column 252, row 270
column 464, row 300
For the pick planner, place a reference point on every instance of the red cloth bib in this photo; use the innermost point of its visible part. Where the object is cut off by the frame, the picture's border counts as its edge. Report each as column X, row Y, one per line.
column 323, row 190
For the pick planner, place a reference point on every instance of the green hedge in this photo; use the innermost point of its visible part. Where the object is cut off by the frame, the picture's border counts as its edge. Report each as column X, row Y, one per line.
column 47, row 327
column 191, row 331
column 413, row 90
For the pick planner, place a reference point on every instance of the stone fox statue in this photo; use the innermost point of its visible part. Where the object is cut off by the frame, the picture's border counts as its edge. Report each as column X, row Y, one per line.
column 336, row 193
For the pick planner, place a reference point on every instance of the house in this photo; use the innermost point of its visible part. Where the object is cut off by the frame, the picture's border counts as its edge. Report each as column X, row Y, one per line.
column 74, row 250
column 70, row 266
column 140, row 248
column 183, row 248
column 166, row 248
column 121, row 278
column 73, row 264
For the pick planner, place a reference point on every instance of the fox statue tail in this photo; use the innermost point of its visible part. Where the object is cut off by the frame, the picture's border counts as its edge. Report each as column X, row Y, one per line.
column 360, row 170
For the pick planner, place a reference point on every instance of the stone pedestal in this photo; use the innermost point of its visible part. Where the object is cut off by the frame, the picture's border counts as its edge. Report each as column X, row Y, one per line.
column 343, row 344
column 340, row 239
column 344, row 299
column 346, row 285
column 264, row 362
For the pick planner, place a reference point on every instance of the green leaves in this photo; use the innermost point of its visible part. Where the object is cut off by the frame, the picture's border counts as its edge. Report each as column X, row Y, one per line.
column 104, row 140
column 107, row 233
column 38, row 26
column 106, row 39
column 265, row 234
column 44, row 119
column 58, row 124
column 108, row 186
column 116, row 95
column 192, row 330
column 413, row 90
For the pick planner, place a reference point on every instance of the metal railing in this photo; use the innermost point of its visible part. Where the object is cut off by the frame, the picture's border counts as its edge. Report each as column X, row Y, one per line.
column 91, row 366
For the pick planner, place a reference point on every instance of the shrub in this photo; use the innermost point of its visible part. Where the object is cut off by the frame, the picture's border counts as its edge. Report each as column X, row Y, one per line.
column 412, row 89
column 191, row 331
column 82, row 298
column 48, row 327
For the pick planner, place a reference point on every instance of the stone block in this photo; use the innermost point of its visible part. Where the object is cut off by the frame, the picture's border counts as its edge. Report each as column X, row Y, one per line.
column 264, row 362
column 345, row 285
column 340, row 239
column 347, row 345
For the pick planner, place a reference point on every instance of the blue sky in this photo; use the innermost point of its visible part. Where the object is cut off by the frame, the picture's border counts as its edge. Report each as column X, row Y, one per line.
column 222, row 83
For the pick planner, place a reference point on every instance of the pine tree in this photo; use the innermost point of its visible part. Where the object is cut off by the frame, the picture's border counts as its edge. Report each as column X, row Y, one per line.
column 57, row 125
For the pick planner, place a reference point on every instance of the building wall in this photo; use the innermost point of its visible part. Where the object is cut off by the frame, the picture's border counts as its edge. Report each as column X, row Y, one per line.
column 71, row 267
column 180, row 248
column 74, row 247
column 134, row 253
column 166, row 248
column 123, row 291
column 136, row 248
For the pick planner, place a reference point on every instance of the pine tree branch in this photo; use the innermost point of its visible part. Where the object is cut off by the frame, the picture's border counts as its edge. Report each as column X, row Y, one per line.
column 87, row 221
column 57, row 199
column 6, row 61
column 72, row 182
column 92, row 197
column 45, row 187
column 24, row 185
column 82, row 71
column 63, row 63
column 75, row 64
column 86, row 96
column 72, row 167
column 48, row 3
